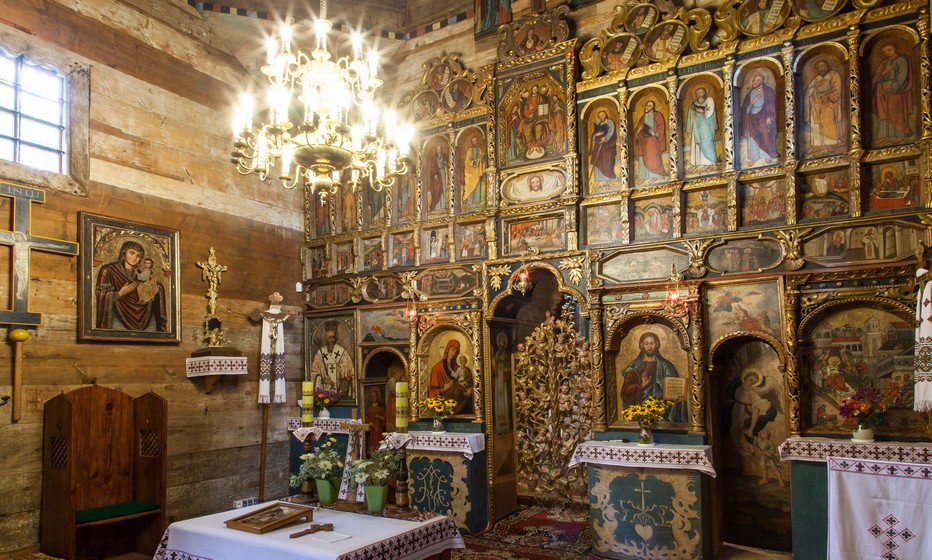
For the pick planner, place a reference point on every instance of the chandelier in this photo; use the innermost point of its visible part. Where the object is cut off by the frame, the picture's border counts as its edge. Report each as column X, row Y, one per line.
column 322, row 119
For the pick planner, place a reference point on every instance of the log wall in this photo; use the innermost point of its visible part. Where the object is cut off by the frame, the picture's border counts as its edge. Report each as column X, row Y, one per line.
column 161, row 91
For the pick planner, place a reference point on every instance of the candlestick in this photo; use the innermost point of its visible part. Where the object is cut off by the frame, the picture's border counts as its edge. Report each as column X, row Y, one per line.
column 401, row 405
column 307, row 402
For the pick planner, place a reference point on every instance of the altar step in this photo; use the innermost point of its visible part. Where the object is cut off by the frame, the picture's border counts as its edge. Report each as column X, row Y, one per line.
column 738, row 552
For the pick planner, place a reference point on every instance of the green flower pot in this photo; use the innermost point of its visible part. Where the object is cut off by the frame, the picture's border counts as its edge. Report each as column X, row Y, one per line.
column 327, row 491
column 376, row 496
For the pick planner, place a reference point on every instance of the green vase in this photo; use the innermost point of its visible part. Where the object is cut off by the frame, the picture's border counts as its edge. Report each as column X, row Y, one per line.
column 327, row 491
column 376, row 497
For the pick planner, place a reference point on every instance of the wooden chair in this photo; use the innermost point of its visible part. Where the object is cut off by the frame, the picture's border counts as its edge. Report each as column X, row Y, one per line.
column 104, row 467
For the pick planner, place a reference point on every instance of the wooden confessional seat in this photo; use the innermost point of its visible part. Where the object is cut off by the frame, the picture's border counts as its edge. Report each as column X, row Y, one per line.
column 104, row 467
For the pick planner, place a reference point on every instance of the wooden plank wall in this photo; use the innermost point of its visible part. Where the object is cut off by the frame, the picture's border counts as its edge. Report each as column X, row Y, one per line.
column 161, row 87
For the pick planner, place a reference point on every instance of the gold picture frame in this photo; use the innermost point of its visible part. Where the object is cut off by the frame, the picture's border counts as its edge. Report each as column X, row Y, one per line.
column 271, row 517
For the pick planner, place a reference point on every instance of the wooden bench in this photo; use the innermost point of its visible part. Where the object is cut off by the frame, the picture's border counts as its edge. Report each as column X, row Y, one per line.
column 104, row 468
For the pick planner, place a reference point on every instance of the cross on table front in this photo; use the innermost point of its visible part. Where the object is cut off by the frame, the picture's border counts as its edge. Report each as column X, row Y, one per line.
column 22, row 243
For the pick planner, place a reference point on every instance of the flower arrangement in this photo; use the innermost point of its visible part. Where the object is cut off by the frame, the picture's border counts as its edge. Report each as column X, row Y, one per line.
column 438, row 407
column 865, row 406
column 324, row 397
column 376, row 470
column 648, row 413
column 324, row 462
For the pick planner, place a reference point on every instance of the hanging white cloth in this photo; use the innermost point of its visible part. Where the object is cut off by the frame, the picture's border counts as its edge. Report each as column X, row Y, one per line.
column 272, row 355
column 922, row 397
column 878, row 510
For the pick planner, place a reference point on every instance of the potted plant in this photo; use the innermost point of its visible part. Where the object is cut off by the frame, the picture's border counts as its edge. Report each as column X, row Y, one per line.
column 324, row 397
column 438, row 408
column 646, row 414
column 866, row 408
column 373, row 473
column 324, row 465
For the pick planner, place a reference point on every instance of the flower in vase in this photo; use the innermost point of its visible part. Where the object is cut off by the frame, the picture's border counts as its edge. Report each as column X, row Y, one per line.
column 376, row 470
column 325, row 461
column 437, row 407
column 324, row 397
column 647, row 413
column 865, row 406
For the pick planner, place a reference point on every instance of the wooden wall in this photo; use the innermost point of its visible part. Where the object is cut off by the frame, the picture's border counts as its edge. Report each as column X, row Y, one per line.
column 161, row 90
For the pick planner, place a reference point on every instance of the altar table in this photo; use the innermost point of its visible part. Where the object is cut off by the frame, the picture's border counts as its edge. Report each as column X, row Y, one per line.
column 648, row 501
column 371, row 538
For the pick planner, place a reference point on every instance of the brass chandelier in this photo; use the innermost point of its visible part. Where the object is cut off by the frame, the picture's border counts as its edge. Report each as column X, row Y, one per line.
column 336, row 120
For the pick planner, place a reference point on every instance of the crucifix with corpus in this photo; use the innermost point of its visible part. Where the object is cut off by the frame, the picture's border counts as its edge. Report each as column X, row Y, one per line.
column 22, row 242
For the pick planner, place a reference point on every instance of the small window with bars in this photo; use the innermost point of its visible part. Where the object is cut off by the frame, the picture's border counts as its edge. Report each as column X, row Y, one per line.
column 33, row 114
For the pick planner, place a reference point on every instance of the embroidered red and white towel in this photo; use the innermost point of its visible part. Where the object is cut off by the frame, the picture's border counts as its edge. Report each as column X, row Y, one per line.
column 878, row 510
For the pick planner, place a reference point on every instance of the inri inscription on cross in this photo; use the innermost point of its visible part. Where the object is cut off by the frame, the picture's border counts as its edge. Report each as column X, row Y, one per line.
column 22, row 243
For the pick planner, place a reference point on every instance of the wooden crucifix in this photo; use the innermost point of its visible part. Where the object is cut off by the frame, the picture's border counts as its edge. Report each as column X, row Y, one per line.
column 22, row 242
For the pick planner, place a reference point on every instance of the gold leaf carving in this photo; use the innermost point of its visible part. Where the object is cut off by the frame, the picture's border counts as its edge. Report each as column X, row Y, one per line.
column 574, row 266
column 495, row 276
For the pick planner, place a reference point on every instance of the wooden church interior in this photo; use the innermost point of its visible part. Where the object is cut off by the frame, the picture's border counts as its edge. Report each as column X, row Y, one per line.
column 717, row 203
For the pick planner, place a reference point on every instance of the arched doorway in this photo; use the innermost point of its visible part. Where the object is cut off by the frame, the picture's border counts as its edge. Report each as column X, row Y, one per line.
column 748, row 421
column 514, row 318
column 382, row 367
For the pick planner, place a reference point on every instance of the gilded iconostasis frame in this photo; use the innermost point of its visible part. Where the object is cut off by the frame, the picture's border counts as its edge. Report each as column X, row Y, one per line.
column 669, row 180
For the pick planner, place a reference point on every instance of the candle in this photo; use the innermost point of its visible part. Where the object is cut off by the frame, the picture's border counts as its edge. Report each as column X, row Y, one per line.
column 307, row 402
column 401, row 405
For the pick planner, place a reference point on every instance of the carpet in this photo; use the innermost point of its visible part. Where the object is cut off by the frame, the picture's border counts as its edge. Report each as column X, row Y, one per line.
column 537, row 532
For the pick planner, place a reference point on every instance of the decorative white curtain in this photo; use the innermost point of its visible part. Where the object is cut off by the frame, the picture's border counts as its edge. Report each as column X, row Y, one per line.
column 878, row 510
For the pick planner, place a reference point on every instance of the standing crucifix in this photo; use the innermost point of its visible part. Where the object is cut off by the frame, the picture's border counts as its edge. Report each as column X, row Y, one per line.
column 211, row 271
column 22, row 243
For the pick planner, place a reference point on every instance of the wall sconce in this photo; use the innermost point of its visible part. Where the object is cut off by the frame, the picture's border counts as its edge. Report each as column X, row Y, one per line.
column 674, row 304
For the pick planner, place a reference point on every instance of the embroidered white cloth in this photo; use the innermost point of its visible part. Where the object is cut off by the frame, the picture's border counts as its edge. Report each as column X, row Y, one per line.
column 922, row 394
column 371, row 538
column 467, row 444
column 215, row 365
column 878, row 510
column 688, row 457
column 272, row 361
column 818, row 450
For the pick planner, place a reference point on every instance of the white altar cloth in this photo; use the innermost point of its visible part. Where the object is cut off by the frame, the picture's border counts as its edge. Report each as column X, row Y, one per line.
column 371, row 538
column 467, row 444
column 661, row 456
column 878, row 510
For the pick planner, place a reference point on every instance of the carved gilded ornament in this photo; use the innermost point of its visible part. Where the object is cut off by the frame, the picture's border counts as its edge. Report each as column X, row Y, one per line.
column 447, row 88
column 792, row 248
column 574, row 268
column 553, row 391
column 697, row 253
column 532, row 35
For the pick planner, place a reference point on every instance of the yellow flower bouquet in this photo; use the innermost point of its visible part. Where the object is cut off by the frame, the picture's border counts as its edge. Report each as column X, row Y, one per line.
column 437, row 407
column 648, row 413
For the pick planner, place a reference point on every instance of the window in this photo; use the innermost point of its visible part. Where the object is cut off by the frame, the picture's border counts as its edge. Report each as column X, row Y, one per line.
column 45, row 99
column 33, row 115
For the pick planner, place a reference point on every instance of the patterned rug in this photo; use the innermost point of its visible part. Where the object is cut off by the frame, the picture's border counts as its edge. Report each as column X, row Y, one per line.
column 556, row 532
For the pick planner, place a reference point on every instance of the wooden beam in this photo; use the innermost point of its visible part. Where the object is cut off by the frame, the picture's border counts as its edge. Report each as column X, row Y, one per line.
column 96, row 41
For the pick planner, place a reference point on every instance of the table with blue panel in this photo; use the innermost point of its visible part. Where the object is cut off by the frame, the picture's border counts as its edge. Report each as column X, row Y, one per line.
column 447, row 475
column 648, row 502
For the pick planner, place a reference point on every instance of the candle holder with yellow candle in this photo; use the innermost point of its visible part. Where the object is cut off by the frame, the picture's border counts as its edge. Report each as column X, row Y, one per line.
column 402, row 507
column 307, row 494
